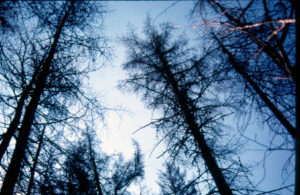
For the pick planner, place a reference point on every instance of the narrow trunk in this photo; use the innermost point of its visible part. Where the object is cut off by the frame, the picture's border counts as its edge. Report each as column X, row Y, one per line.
column 96, row 177
column 35, row 160
column 282, row 63
column 297, row 172
column 92, row 158
column 21, row 144
column 277, row 113
column 207, row 155
column 13, row 124
column 297, row 146
column 17, row 117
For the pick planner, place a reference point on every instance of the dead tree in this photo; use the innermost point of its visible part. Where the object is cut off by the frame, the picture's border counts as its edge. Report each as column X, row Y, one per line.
column 177, row 84
column 58, row 55
column 259, row 47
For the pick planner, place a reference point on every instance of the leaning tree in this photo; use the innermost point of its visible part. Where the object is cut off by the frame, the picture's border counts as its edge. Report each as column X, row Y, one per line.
column 46, row 83
column 256, row 44
column 180, row 87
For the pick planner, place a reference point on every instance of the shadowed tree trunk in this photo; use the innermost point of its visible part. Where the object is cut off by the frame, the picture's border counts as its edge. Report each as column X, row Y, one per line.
column 21, row 144
column 206, row 152
column 94, row 165
column 297, row 177
column 17, row 117
column 277, row 113
column 172, row 80
column 272, row 35
column 35, row 161
column 280, row 58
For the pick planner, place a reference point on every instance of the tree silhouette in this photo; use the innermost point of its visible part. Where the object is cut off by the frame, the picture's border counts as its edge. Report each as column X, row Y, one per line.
column 126, row 172
column 173, row 181
column 84, row 173
column 265, row 52
column 53, row 80
column 257, row 50
column 78, row 175
column 176, row 83
column 35, row 161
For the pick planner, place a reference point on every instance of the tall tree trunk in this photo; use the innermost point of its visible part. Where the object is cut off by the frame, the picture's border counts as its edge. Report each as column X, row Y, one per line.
column 297, row 174
column 92, row 158
column 206, row 152
column 282, row 62
column 21, row 144
column 17, row 117
column 35, row 161
column 277, row 113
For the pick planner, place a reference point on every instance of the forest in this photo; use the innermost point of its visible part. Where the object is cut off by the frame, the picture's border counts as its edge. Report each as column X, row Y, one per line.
column 221, row 93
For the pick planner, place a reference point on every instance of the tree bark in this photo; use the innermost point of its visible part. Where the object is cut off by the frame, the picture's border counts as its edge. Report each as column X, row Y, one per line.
column 297, row 167
column 282, row 63
column 17, row 117
column 206, row 152
column 277, row 113
column 35, row 161
column 92, row 158
column 21, row 144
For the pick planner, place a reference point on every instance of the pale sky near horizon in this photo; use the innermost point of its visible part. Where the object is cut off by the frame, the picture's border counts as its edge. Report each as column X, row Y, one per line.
column 121, row 125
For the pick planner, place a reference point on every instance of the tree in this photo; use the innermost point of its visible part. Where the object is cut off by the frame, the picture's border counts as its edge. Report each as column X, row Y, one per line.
column 77, row 170
column 258, row 50
column 173, row 181
column 11, row 129
column 48, row 176
column 85, row 169
column 125, row 172
column 63, row 36
column 266, row 38
column 179, row 85
column 19, row 70
column 35, row 162
column 92, row 159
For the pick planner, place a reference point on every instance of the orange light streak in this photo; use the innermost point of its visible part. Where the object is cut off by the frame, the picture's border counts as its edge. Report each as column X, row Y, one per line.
column 279, row 78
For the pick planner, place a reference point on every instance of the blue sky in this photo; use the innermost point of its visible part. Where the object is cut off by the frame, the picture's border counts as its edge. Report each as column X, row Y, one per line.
column 117, row 135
